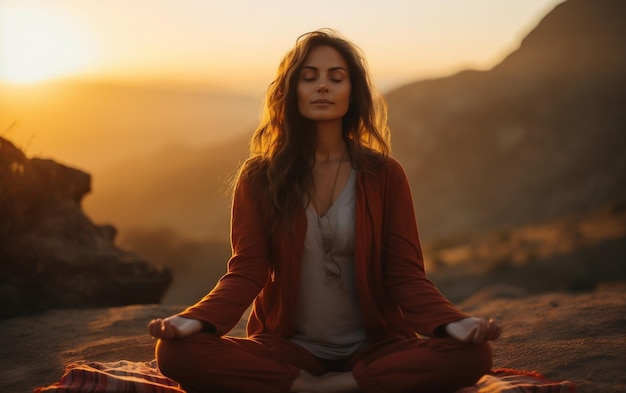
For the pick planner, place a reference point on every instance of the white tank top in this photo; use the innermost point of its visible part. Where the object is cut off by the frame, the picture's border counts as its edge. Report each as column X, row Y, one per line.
column 328, row 316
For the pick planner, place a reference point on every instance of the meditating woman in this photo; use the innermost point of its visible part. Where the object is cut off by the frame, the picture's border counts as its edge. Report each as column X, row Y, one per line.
column 326, row 249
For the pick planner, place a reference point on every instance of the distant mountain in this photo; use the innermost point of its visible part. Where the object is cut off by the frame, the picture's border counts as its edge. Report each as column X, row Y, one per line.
column 96, row 125
column 181, row 189
column 507, row 153
column 539, row 136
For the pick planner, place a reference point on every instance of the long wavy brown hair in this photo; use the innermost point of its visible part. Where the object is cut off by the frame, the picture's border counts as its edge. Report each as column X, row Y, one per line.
column 283, row 146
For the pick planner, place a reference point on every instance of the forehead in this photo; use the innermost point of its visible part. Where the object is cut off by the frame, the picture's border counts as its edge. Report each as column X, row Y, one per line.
column 325, row 57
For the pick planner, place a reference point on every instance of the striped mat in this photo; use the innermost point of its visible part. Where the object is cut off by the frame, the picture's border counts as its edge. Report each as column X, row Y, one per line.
column 144, row 377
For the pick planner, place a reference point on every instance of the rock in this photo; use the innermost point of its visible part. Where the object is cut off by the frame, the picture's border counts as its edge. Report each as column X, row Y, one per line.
column 52, row 255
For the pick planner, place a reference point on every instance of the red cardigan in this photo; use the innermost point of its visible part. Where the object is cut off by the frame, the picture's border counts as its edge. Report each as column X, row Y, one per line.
column 395, row 295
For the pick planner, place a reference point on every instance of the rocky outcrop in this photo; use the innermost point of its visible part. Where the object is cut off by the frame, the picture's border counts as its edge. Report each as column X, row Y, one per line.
column 51, row 254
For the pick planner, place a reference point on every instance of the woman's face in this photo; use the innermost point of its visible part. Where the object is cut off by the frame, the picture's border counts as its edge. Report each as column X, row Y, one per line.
column 324, row 85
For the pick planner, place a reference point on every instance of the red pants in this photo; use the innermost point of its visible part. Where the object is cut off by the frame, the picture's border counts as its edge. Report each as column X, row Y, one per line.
column 206, row 363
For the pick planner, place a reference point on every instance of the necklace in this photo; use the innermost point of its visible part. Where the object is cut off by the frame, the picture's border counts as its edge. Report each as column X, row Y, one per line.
column 332, row 191
column 332, row 269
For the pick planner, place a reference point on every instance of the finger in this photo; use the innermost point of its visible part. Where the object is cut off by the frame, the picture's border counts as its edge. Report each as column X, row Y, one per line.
column 154, row 327
column 470, row 332
column 494, row 330
column 167, row 331
column 480, row 331
column 160, row 329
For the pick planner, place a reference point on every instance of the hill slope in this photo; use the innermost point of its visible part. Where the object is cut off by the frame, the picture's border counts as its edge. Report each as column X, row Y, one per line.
column 532, row 141
column 538, row 136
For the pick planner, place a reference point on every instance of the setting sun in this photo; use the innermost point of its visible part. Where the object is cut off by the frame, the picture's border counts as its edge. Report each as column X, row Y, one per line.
column 37, row 44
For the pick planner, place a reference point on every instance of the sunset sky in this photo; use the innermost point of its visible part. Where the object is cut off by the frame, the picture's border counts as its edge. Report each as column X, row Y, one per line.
column 236, row 44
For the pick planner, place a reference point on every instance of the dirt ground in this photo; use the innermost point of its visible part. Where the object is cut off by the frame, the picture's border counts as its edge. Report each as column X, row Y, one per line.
column 580, row 337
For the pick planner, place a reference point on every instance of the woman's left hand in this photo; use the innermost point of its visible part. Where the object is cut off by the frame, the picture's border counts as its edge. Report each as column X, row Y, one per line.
column 474, row 330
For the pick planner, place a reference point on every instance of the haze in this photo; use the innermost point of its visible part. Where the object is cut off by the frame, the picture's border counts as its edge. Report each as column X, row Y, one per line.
column 132, row 77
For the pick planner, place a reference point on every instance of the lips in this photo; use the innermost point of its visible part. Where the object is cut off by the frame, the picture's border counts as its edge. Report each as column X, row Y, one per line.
column 322, row 101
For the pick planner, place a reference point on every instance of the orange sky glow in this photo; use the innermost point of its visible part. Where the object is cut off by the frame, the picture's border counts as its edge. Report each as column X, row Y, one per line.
column 236, row 45
column 96, row 83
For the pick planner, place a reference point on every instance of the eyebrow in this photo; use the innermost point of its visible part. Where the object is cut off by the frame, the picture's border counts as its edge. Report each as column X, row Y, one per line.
column 330, row 69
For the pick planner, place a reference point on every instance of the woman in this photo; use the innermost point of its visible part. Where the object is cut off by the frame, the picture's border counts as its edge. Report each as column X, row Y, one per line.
column 326, row 247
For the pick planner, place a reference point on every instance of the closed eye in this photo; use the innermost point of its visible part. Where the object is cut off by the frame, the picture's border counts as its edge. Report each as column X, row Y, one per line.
column 338, row 75
column 308, row 75
column 335, row 74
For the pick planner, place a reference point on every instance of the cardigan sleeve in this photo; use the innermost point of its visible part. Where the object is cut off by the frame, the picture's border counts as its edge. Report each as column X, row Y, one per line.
column 422, row 304
column 248, row 266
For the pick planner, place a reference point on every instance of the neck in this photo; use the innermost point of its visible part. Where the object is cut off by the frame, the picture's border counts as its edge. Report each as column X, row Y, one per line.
column 330, row 143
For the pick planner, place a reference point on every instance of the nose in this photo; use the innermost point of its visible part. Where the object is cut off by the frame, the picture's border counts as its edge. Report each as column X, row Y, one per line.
column 322, row 88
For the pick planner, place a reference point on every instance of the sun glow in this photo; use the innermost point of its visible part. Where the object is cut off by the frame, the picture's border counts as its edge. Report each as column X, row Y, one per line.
column 37, row 44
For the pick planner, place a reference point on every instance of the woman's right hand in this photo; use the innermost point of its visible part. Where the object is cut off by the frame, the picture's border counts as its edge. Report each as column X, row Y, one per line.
column 173, row 327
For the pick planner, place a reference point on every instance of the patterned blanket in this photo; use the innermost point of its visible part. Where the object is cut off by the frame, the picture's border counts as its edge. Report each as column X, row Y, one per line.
column 144, row 377
column 115, row 377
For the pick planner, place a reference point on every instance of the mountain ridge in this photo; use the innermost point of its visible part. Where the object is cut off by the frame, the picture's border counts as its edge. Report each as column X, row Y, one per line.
column 524, row 142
